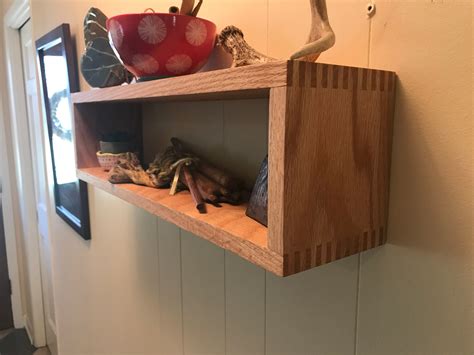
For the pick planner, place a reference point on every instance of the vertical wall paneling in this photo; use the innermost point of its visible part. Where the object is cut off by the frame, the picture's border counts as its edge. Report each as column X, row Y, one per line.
column 170, row 299
column 245, row 137
column 203, row 296
column 245, row 307
column 231, row 134
column 312, row 312
column 415, row 291
column 424, row 267
column 315, row 312
column 115, row 280
column 199, row 124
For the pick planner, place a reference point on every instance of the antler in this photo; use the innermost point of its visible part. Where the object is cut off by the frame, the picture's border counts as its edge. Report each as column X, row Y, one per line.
column 321, row 36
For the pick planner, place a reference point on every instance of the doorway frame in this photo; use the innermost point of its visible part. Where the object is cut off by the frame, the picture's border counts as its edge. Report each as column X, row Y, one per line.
column 16, row 16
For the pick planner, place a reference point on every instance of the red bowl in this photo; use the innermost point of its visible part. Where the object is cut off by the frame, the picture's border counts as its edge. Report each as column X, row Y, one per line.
column 156, row 45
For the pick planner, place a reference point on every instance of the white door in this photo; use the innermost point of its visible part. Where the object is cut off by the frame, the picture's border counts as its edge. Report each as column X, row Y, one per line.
column 37, row 145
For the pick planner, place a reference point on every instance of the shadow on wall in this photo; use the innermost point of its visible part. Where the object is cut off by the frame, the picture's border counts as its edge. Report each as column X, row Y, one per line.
column 419, row 189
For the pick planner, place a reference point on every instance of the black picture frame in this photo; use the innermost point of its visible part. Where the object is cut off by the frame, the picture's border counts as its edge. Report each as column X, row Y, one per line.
column 58, row 69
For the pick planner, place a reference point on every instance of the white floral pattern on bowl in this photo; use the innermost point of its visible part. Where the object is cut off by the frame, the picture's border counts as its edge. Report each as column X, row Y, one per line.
column 179, row 63
column 161, row 45
column 152, row 29
column 196, row 32
column 146, row 63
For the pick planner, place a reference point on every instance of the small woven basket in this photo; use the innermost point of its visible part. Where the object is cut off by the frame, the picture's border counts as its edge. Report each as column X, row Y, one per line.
column 108, row 160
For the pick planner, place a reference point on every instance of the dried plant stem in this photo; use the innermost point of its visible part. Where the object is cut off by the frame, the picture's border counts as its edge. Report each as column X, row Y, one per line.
column 197, row 8
column 186, row 7
column 191, row 184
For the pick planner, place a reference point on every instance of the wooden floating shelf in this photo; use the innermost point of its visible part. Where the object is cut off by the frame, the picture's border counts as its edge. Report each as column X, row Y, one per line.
column 227, row 227
column 244, row 82
column 330, row 132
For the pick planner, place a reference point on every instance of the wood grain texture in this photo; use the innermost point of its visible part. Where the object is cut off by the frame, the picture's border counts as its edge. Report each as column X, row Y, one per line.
column 94, row 120
column 276, row 167
column 250, row 81
column 329, row 146
column 338, row 129
column 227, row 227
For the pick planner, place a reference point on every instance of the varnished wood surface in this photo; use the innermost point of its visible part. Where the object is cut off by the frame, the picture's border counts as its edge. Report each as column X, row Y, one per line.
column 252, row 81
column 336, row 135
column 92, row 121
column 329, row 148
column 244, row 82
column 276, row 168
column 228, row 227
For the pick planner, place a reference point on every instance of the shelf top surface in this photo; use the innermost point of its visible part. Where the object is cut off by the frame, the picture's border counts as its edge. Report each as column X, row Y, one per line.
column 251, row 81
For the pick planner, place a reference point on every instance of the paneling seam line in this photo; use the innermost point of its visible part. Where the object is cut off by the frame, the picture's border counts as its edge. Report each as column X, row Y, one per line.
column 225, row 305
column 265, row 313
column 181, row 288
column 369, row 44
column 157, row 230
column 356, row 323
column 268, row 26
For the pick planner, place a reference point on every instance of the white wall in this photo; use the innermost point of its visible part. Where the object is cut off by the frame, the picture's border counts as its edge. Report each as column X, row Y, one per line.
column 18, row 268
column 142, row 285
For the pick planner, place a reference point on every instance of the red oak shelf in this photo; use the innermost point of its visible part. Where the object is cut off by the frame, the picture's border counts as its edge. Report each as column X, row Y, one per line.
column 329, row 148
column 227, row 227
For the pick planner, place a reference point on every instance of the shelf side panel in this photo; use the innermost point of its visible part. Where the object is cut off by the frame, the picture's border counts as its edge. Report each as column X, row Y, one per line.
column 338, row 133
column 276, row 167
column 93, row 121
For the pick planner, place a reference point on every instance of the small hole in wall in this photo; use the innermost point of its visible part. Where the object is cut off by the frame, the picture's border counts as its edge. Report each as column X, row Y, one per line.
column 370, row 9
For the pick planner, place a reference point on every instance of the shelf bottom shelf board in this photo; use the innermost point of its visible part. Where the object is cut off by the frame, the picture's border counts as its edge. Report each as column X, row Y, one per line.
column 228, row 227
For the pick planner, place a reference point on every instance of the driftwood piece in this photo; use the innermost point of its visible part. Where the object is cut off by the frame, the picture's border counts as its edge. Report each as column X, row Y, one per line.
column 164, row 166
column 181, row 169
column 128, row 169
column 258, row 204
column 321, row 36
column 231, row 39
